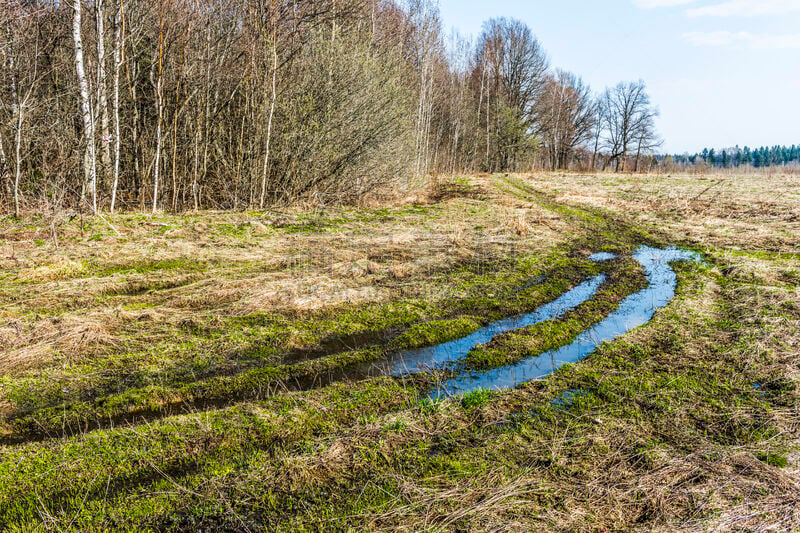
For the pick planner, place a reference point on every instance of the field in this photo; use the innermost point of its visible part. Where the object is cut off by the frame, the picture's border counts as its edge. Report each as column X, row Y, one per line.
column 202, row 372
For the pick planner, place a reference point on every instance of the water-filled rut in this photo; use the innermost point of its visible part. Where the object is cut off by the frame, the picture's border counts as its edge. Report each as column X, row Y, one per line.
column 431, row 357
column 634, row 311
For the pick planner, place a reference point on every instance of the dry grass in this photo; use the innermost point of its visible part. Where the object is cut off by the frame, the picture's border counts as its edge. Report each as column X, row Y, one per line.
column 87, row 293
column 671, row 437
column 748, row 211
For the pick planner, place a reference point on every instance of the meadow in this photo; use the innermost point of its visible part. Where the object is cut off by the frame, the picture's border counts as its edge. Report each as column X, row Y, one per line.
column 201, row 372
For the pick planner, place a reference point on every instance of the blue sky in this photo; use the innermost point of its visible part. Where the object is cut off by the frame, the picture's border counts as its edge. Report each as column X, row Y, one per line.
column 722, row 72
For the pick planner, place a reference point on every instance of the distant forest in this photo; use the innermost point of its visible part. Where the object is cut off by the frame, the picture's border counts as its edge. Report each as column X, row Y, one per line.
column 736, row 157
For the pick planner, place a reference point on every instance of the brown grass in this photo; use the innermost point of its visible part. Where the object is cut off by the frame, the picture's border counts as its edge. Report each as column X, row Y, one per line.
column 582, row 473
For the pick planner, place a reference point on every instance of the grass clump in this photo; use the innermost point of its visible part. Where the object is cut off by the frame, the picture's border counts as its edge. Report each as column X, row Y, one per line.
column 476, row 399
column 772, row 459
column 435, row 332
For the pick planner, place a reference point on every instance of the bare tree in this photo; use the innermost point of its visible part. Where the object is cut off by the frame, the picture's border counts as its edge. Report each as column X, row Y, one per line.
column 24, row 78
column 517, row 68
column 102, row 90
column 273, row 97
column 628, row 120
column 426, row 26
column 647, row 139
column 119, row 51
column 159, row 90
column 89, row 161
column 565, row 116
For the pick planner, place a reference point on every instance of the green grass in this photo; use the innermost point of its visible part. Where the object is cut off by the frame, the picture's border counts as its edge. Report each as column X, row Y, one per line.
column 259, row 421
column 625, row 278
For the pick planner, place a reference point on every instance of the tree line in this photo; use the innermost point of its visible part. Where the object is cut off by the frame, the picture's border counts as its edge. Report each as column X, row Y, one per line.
column 236, row 104
column 764, row 156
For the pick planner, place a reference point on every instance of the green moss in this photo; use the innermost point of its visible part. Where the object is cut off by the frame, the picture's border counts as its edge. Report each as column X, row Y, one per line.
column 184, row 264
column 772, row 459
column 435, row 332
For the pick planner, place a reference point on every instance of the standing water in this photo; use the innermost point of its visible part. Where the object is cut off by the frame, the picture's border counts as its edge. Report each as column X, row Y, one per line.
column 636, row 310
column 431, row 357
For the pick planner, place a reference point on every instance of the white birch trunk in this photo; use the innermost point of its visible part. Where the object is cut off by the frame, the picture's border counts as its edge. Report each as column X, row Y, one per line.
column 18, row 158
column 102, row 91
column 17, row 109
column 118, row 55
column 89, row 162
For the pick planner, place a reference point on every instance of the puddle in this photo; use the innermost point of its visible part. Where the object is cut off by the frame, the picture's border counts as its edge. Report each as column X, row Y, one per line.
column 602, row 256
column 568, row 398
column 431, row 357
column 634, row 311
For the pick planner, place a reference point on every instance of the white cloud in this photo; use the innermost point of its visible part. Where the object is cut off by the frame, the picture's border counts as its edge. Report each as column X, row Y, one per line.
column 652, row 4
column 745, row 8
column 746, row 39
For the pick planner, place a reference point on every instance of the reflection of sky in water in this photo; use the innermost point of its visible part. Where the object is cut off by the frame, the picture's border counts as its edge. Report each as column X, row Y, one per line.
column 634, row 311
column 435, row 356
column 602, row 256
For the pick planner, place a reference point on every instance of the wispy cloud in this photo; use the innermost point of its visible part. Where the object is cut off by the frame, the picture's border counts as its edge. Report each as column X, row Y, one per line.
column 726, row 8
column 745, row 39
column 745, row 8
column 652, row 4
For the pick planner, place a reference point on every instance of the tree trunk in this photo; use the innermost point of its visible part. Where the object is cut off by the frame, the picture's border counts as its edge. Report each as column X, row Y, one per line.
column 598, row 132
column 18, row 157
column 488, row 101
column 89, row 160
column 478, row 119
column 160, row 106
column 119, row 28
column 102, row 93
column 17, row 108
column 135, row 144
column 3, row 162
column 175, row 116
column 638, row 155
column 271, row 108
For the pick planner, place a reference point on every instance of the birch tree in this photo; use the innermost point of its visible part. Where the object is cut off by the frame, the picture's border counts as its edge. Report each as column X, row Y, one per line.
column 516, row 72
column 102, row 91
column 89, row 160
column 159, row 90
column 565, row 116
column 119, row 51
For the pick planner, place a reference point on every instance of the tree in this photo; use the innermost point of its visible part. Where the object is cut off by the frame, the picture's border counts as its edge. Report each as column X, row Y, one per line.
column 516, row 68
column 89, row 161
column 565, row 116
column 628, row 119
column 119, row 52
column 647, row 139
column 102, row 90
column 273, row 96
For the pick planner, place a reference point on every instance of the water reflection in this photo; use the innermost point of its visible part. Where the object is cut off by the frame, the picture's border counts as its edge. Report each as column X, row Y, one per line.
column 636, row 310
column 423, row 359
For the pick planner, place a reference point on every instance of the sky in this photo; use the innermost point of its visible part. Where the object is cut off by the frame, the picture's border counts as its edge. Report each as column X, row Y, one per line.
column 721, row 72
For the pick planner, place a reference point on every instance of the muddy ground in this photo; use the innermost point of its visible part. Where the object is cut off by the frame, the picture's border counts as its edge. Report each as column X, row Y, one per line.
column 198, row 372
